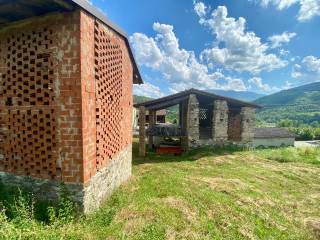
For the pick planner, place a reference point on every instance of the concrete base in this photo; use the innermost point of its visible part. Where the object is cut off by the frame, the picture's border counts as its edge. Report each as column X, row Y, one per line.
column 89, row 196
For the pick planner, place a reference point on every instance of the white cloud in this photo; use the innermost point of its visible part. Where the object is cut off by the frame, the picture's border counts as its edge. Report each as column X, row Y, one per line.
column 284, row 52
column 242, row 51
column 147, row 90
column 308, row 70
column 257, row 83
column 308, row 8
column 147, row 50
column 280, row 4
column 200, row 8
column 180, row 68
column 279, row 40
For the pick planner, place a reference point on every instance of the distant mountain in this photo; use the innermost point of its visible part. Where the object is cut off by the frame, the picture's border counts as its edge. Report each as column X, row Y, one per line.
column 140, row 99
column 301, row 104
column 243, row 95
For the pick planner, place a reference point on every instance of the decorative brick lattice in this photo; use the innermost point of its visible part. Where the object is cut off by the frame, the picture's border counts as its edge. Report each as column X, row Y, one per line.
column 109, row 93
column 28, row 125
column 203, row 114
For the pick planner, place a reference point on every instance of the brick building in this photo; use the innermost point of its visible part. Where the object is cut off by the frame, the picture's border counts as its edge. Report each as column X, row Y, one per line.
column 66, row 76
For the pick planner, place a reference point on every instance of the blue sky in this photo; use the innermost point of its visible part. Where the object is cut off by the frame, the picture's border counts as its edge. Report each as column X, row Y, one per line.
column 255, row 45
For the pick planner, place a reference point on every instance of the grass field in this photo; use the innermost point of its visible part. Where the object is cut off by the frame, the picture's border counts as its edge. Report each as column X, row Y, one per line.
column 205, row 194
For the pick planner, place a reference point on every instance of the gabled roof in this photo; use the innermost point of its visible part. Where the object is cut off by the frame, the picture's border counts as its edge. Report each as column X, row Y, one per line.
column 273, row 133
column 16, row 10
column 174, row 99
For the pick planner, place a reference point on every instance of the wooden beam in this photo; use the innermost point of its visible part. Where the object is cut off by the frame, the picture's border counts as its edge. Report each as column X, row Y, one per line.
column 152, row 122
column 142, row 131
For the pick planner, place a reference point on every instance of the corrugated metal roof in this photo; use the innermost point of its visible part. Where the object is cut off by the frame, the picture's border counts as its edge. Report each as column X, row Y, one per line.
column 273, row 133
column 15, row 10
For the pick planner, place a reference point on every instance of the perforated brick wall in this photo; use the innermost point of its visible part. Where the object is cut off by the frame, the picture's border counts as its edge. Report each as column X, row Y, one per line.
column 65, row 97
column 36, row 67
column 113, row 94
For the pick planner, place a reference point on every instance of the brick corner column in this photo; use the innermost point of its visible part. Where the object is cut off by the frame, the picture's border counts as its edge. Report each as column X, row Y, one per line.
column 220, row 121
column 193, row 121
column 142, row 131
column 247, row 124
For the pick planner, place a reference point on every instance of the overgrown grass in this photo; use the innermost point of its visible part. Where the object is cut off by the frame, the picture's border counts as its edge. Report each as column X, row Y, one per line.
column 302, row 155
column 226, row 193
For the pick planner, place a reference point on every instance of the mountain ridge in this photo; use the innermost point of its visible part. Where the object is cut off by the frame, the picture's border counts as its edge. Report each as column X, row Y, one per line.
column 299, row 104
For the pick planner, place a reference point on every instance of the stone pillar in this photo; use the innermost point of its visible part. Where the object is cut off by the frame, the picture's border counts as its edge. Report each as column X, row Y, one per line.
column 247, row 125
column 152, row 122
column 142, row 131
column 193, row 121
column 220, row 122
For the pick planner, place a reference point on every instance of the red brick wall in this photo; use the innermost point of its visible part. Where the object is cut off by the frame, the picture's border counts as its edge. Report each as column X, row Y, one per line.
column 113, row 76
column 65, row 97
column 88, row 95
column 40, row 98
column 234, row 125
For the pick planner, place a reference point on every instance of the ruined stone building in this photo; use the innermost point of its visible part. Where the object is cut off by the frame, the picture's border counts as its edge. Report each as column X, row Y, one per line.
column 204, row 119
column 66, row 76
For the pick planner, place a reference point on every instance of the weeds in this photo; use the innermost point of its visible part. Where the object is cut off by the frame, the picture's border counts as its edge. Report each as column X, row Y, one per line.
column 208, row 193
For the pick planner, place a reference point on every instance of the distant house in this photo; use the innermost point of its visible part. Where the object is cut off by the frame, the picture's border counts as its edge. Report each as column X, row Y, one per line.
column 161, row 117
column 273, row 137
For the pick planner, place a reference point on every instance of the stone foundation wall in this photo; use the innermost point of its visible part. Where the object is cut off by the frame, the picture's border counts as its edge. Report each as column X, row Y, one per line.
column 89, row 196
column 220, row 122
column 107, row 180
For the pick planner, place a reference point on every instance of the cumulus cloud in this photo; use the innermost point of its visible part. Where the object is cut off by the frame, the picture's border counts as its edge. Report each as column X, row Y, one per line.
column 147, row 90
column 308, row 70
column 308, row 8
column 242, row 50
column 257, row 83
column 279, row 40
column 179, row 67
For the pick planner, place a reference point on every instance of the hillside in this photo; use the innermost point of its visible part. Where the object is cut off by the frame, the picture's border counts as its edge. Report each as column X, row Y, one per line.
column 140, row 99
column 300, row 104
column 241, row 95
column 204, row 194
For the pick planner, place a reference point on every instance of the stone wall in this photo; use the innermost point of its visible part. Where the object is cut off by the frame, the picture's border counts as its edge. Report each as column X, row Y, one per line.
column 220, row 122
column 247, row 125
column 107, row 180
column 193, row 121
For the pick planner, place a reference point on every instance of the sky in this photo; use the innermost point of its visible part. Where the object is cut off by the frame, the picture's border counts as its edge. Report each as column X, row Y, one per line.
column 261, row 46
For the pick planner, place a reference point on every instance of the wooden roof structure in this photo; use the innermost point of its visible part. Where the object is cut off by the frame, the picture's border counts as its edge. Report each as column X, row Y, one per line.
column 17, row 10
column 175, row 99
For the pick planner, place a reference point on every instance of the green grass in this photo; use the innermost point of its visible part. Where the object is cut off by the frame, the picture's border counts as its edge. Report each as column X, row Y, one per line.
column 204, row 194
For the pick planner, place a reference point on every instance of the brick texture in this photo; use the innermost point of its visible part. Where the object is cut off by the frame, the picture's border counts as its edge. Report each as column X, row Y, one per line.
column 65, row 97
column 234, row 125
